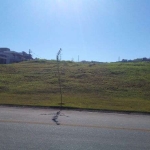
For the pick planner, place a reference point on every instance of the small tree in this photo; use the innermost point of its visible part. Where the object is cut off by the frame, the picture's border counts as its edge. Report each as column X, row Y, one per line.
column 59, row 75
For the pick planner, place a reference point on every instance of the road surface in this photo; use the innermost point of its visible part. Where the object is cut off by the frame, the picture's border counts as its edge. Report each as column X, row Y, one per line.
column 49, row 129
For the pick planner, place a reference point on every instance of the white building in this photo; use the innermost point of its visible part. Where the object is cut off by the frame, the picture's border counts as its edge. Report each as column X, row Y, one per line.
column 7, row 56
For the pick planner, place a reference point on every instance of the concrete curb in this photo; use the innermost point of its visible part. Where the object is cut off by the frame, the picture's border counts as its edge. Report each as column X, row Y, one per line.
column 78, row 109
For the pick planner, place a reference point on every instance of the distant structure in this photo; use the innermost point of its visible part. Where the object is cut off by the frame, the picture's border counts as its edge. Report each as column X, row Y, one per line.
column 7, row 56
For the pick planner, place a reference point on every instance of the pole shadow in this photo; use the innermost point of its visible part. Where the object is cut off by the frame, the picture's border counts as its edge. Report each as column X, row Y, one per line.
column 55, row 118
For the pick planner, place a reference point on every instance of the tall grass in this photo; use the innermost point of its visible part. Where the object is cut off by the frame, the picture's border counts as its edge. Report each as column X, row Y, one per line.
column 110, row 86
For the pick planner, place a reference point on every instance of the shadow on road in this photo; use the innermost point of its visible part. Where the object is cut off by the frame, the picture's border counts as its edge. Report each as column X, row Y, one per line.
column 55, row 118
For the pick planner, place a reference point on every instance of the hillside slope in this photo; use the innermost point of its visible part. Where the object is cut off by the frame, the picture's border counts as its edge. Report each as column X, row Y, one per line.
column 109, row 86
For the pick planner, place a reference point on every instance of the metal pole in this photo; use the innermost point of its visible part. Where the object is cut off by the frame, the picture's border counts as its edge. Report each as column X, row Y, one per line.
column 59, row 77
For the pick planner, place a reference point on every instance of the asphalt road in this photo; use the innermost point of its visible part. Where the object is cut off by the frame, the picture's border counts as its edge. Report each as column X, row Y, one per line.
column 48, row 129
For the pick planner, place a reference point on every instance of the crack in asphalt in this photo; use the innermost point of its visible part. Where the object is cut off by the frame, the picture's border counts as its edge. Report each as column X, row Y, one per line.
column 47, row 114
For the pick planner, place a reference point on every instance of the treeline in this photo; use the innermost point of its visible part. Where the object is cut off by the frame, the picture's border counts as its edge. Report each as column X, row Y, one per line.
column 123, row 60
column 136, row 60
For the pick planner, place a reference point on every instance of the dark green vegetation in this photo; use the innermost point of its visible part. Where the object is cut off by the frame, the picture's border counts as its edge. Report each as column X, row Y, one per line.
column 109, row 86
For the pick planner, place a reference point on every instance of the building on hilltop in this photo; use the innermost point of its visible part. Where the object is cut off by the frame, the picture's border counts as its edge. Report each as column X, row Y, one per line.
column 7, row 56
column 4, row 49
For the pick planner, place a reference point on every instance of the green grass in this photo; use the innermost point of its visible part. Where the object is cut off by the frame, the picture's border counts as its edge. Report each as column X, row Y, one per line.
column 109, row 86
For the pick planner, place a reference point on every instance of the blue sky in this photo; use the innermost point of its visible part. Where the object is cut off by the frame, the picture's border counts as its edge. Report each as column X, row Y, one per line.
column 98, row 30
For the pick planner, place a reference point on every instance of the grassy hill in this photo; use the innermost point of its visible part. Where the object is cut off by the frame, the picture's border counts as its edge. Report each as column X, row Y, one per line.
column 109, row 86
